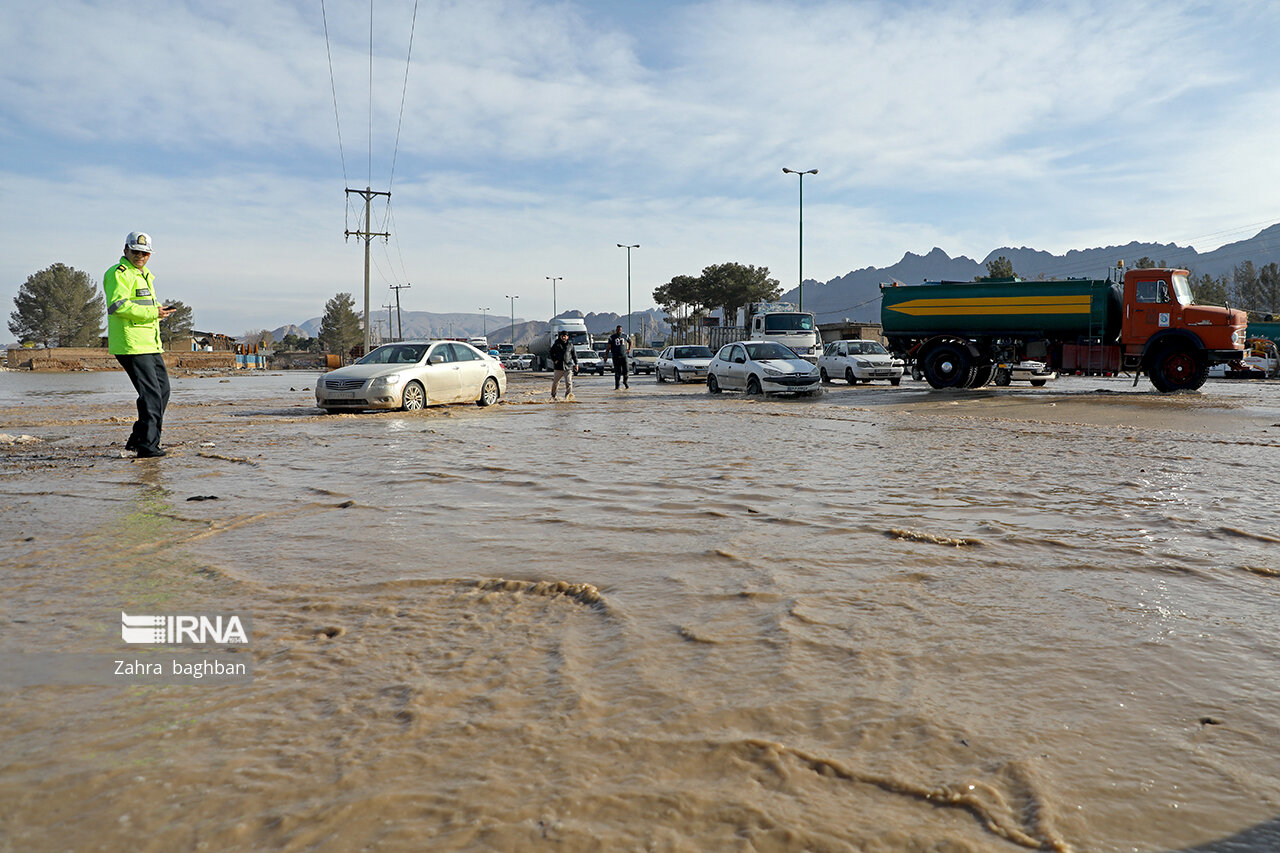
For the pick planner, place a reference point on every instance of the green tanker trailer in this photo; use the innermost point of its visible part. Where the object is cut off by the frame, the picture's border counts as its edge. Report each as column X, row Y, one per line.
column 956, row 333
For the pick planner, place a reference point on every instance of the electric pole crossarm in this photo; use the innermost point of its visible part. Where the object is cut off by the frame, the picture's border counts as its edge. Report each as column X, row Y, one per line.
column 368, row 194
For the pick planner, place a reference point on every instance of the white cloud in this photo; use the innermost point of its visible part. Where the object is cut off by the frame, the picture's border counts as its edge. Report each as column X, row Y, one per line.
column 536, row 136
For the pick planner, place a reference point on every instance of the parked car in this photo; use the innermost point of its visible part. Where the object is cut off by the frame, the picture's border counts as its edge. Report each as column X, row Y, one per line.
column 761, row 367
column 680, row 363
column 411, row 375
column 589, row 361
column 859, row 361
column 643, row 360
column 1035, row 372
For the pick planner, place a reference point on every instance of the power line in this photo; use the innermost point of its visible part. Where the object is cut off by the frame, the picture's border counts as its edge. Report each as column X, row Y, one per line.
column 334, row 88
column 404, row 91
column 370, row 183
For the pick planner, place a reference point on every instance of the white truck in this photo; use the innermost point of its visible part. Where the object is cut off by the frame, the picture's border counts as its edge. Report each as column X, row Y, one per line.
column 540, row 348
column 781, row 322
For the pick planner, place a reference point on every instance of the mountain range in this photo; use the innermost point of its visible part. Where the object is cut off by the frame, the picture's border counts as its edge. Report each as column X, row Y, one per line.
column 425, row 325
column 856, row 295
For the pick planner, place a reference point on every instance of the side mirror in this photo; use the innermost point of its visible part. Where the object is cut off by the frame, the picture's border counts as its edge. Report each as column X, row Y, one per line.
column 436, row 358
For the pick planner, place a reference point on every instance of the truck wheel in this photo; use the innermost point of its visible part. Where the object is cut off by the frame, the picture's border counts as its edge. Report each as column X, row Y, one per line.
column 1177, row 368
column 981, row 376
column 947, row 366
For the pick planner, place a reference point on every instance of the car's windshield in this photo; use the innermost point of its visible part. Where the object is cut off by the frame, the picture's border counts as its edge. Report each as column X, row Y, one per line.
column 867, row 348
column 788, row 322
column 644, row 353
column 586, row 352
column 1182, row 290
column 692, row 352
column 396, row 354
column 764, row 352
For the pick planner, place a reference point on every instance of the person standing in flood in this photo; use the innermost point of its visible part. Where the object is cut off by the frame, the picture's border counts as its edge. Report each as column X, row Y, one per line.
column 564, row 361
column 133, row 337
column 619, row 347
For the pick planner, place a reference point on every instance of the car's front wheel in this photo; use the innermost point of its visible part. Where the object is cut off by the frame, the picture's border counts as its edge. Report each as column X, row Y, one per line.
column 753, row 385
column 488, row 392
column 675, row 375
column 712, row 385
column 849, row 377
column 414, row 397
column 822, row 373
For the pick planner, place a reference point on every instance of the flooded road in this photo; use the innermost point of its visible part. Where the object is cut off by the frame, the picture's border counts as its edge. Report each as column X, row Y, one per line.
column 889, row 619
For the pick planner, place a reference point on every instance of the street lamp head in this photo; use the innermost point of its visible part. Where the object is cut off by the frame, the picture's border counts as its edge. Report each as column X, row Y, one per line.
column 812, row 172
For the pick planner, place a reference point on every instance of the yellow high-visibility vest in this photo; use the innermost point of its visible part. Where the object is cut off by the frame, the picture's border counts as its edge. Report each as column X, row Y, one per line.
column 133, row 314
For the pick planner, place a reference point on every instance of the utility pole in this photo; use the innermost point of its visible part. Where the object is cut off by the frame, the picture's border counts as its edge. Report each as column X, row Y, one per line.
column 399, row 320
column 379, row 322
column 389, row 326
column 368, row 235
column 484, row 320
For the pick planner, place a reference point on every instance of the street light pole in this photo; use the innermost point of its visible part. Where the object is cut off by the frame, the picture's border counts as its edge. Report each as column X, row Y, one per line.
column 484, row 323
column 553, row 280
column 628, row 248
column 513, row 322
column 787, row 171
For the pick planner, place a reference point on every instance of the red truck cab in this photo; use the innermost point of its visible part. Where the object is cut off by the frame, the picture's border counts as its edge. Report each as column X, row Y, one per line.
column 1164, row 333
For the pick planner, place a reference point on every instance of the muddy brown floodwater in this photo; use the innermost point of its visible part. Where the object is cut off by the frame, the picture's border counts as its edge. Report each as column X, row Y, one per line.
column 888, row 619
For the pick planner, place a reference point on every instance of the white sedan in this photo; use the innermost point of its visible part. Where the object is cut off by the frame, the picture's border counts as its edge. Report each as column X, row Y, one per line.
column 858, row 361
column 679, row 363
column 761, row 367
column 411, row 375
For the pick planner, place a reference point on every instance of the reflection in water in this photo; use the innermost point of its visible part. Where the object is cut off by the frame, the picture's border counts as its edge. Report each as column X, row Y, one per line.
column 665, row 620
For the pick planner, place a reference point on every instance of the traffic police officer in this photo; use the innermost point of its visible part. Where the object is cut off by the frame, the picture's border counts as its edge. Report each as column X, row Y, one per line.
column 133, row 337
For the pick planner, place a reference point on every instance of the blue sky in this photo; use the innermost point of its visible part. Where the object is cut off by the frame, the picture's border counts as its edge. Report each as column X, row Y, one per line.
column 536, row 136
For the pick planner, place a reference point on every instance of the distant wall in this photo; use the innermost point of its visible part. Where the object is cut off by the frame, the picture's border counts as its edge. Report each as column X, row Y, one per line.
column 96, row 358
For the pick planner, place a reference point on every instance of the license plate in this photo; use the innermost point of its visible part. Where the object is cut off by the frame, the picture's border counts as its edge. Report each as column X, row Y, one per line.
column 342, row 395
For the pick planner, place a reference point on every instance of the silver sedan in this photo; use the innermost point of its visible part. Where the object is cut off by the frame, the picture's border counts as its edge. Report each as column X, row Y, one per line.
column 681, row 363
column 411, row 375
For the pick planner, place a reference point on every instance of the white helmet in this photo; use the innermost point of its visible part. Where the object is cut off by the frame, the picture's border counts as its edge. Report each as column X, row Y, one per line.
column 138, row 241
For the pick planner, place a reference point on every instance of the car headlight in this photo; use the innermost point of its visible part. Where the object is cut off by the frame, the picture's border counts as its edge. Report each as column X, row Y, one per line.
column 772, row 372
column 386, row 381
column 862, row 363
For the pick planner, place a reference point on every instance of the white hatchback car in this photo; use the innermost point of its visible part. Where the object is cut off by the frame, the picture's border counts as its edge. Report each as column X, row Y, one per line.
column 761, row 367
column 682, row 362
column 859, row 361
column 411, row 375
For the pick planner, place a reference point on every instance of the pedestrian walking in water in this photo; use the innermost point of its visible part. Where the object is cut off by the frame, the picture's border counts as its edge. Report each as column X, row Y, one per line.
column 564, row 360
column 619, row 347
column 133, row 337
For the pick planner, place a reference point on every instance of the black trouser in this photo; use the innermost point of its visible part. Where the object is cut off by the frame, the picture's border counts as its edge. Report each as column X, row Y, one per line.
column 151, row 381
column 620, row 372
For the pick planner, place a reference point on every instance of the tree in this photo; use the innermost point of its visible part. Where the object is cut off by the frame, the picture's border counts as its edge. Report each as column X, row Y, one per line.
column 290, row 342
column 340, row 327
column 178, row 324
column 1268, row 301
column 732, row 285
column 59, row 306
column 1245, row 286
column 1001, row 267
column 1207, row 290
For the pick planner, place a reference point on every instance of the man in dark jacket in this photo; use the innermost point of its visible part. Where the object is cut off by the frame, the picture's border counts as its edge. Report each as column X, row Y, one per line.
column 565, row 362
column 619, row 346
